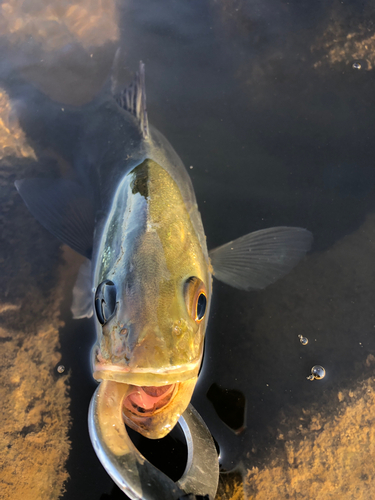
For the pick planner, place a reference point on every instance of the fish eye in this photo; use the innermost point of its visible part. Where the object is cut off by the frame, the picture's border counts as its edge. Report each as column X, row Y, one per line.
column 105, row 301
column 195, row 298
column 201, row 306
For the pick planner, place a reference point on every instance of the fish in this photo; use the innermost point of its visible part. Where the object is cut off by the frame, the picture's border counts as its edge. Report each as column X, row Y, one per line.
column 130, row 209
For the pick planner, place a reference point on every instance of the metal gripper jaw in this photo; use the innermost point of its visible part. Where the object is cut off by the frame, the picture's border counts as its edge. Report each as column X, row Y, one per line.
column 132, row 473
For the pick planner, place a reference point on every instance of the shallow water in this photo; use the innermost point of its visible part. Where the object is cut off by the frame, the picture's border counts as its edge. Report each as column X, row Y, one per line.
column 271, row 107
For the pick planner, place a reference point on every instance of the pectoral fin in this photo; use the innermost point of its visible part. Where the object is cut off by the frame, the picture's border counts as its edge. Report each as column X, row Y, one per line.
column 82, row 293
column 258, row 259
column 60, row 206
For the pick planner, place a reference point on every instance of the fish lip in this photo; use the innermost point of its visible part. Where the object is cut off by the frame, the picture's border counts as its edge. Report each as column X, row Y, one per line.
column 145, row 378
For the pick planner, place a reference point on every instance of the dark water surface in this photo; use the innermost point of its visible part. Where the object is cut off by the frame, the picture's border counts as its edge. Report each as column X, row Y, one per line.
column 276, row 127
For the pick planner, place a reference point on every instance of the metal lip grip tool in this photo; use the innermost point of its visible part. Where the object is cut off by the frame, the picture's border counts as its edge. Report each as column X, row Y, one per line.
column 130, row 470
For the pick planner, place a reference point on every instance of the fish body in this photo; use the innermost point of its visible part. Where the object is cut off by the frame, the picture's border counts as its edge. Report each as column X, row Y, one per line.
column 131, row 210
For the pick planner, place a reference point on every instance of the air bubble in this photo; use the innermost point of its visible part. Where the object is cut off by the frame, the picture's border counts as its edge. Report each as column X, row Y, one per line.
column 357, row 65
column 60, row 369
column 317, row 373
column 303, row 340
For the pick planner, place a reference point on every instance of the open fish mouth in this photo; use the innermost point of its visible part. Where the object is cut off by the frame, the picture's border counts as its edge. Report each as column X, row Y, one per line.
column 153, row 410
column 145, row 401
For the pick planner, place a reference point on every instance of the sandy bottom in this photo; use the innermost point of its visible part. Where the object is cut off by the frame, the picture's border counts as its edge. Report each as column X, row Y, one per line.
column 322, row 456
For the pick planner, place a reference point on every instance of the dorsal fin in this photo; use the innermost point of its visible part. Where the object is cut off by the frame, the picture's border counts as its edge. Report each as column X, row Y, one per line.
column 133, row 99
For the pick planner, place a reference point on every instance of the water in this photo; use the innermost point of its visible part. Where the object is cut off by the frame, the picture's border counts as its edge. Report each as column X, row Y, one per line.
column 271, row 105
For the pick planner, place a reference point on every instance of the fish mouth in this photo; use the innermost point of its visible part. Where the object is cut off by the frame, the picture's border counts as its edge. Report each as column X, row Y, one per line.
column 153, row 410
column 146, row 401
column 153, row 400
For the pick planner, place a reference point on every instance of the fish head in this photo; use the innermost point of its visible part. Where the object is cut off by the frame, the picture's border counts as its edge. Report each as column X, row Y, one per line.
column 153, row 292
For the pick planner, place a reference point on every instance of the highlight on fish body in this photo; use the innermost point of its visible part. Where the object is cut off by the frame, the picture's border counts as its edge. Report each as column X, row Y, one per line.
column 130, row 209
